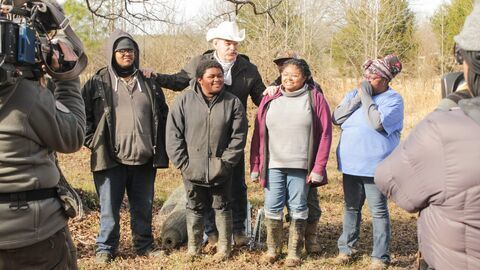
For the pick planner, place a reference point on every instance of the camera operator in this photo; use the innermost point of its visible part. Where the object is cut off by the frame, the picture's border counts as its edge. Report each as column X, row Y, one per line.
column 33, row 124
column 435, row 170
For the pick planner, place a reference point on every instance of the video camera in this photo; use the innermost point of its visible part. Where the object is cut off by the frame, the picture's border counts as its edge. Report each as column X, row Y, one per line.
column 452, row 81
column 29, row 42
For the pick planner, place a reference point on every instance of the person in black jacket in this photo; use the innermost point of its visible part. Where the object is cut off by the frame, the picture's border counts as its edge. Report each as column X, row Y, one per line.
column 241, row 79
column 126, row 117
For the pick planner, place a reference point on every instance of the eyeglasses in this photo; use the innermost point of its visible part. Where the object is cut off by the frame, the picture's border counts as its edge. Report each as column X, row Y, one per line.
column 125, row 51
column 291, row 75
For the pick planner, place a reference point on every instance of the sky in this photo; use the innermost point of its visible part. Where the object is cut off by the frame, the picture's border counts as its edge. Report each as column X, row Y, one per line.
column 423, row 8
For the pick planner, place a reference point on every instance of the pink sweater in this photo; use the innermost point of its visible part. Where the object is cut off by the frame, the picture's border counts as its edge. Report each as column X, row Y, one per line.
column 320, row 142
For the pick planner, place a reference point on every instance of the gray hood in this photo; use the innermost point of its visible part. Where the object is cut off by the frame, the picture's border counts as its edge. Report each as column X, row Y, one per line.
column 471, row 107
column 114, row 37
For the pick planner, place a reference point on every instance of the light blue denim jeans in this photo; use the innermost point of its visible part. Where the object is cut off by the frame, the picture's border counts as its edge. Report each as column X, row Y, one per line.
column 286, row 186
column 355, row 190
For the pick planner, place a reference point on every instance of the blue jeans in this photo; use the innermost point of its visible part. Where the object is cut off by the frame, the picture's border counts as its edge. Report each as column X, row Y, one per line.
column 355, row 190
column 111, row 184
column 238, row 203
column 282, row 185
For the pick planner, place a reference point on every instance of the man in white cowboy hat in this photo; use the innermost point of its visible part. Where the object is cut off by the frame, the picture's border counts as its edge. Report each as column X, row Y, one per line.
column 242, row 79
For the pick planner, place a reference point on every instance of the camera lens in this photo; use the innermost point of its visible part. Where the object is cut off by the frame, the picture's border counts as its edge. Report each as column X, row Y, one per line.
column 458, row 54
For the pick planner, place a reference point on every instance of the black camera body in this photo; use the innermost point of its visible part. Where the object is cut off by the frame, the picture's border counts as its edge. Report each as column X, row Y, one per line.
column 18, row 42
column 450, row 82
column 28, row 43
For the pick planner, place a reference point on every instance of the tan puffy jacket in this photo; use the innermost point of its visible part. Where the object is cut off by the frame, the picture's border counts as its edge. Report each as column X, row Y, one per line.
column 436, row 171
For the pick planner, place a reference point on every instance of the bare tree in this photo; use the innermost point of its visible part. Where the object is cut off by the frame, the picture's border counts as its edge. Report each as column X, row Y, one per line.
column 304, row 26
column 123, row 13
column 373, row 28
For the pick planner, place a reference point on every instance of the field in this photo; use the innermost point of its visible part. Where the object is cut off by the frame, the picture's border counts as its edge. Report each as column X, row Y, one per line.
column 420, row 96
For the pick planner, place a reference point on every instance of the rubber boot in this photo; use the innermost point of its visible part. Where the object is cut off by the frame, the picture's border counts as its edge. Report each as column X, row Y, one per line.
column 194, row 233
column 296, row 235
column 311, row 242
column 223, row 220
column 240, row 239
column 274, row 240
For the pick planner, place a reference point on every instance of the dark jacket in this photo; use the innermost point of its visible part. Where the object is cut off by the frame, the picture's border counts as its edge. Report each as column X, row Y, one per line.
column 246, row 79
column 436, row 172
column 206, row 141
column 100, row 132
column 33, row 123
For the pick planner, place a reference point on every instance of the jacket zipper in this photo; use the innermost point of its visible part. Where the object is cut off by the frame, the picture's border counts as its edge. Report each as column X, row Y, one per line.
column 208, row 146
column 152, row 93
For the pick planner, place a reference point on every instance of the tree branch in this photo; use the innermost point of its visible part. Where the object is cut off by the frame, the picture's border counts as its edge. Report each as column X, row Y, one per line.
column 240, row 3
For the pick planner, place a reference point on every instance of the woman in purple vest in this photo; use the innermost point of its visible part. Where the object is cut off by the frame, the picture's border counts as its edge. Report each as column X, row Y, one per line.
column 289, row 152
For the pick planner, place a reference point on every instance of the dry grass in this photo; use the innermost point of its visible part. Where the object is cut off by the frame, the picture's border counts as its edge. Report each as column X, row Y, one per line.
column 420, row 96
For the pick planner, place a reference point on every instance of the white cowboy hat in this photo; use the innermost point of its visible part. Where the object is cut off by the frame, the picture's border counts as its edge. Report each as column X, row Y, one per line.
column 226, row 30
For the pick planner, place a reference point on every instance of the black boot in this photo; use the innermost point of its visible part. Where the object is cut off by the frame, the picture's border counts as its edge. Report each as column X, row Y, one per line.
column 194, row 232
column 223, row 220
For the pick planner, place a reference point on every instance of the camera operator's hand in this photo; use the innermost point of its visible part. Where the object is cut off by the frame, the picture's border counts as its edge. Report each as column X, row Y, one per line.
column 55, row 66
column 62, row 58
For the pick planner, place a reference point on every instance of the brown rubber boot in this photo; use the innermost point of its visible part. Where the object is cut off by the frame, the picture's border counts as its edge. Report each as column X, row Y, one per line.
column 274, row 240
column 240, row 239
column 311, row 242
column 194, row 233
column 296, row 235
column 223, row 220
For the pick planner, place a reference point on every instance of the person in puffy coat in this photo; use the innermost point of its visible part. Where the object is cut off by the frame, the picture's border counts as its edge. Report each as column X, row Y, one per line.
column 435, row 170
column 206, row 134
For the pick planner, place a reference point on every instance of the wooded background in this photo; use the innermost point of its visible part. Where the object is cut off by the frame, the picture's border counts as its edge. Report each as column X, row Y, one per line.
column 334, row 36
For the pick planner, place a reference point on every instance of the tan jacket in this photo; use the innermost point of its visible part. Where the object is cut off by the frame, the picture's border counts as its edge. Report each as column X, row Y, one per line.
column 436, row 171
column 32, row 125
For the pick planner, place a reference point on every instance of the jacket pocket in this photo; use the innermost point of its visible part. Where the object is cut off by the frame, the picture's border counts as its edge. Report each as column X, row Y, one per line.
column 217, row 170
column 194, row 170
column 98, row 134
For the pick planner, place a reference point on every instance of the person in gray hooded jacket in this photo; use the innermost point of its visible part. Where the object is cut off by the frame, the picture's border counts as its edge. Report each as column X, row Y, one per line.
column 435, row 170
column 34, row 122
column 126, row 116
column 206, row 134
column 241, row 79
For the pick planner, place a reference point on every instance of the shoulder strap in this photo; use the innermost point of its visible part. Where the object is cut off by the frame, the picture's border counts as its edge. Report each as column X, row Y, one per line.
column 64, row 23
